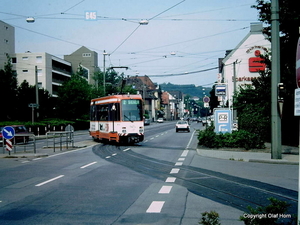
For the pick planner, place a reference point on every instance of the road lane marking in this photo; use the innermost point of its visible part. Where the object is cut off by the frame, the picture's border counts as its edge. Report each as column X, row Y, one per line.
column 155, row 207
column 88, row 165
column 181, row 159
column 171, row 179
column 188, row 145
column 114, row 154
column 37, row 159
column 48, row 181
column 178, row 164
column 175, row 170
column 152, row 138
column 107, row 157
column 127, row 149
column 184, row 153
column 165, row 190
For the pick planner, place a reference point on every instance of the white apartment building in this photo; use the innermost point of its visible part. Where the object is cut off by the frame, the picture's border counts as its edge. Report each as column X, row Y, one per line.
column 7, row 42
column 51, row 71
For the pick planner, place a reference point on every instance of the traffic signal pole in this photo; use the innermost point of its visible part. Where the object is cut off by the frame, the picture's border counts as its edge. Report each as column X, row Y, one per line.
column 275, row 79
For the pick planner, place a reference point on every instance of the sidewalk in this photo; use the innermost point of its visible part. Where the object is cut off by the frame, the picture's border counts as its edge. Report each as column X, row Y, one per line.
column 26, row 151
column 290, row 155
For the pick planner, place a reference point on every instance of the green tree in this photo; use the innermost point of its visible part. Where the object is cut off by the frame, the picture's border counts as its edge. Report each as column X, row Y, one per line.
column 8, row 87
column 74, row 98
column 26, row 95
column 289, row 19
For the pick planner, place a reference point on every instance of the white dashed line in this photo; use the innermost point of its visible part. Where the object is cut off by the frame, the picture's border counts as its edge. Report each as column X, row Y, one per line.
column 165, row 190
column 48, row 181
column 127, row 149
column 175, row 171
column 170, row 179
column 155, row 207
column 107, row 157
column 178, row 164
column 181, row 159
column 184, row 153
column 88, row 165
column 114, row 154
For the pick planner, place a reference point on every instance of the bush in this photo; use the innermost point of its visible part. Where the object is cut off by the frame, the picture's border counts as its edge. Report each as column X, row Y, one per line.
column 210, row 218
column 268, row 215
column 236, row 139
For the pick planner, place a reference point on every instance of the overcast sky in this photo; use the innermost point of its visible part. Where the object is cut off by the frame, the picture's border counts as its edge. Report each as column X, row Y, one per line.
column 180, row 44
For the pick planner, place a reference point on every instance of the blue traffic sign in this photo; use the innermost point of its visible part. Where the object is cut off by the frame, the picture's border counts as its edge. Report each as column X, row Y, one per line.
column 223, row 120
column 8, row 132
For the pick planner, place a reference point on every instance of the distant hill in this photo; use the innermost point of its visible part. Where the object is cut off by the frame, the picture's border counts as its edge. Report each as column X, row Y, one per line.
column 187, row 89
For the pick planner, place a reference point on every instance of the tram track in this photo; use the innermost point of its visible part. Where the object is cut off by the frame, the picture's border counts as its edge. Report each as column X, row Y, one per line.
column 223, row 188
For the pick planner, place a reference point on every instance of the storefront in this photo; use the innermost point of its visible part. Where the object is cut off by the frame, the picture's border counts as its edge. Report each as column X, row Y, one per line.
column 243, row 63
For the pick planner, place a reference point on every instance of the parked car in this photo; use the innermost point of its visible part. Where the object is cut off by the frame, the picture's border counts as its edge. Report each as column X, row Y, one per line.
column 160, row 120
column 19, row 131
column 182, row 125
column 146, row 121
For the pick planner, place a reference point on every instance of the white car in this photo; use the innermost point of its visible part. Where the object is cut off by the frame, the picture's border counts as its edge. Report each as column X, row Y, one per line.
column 160, row 120
column 182, row 125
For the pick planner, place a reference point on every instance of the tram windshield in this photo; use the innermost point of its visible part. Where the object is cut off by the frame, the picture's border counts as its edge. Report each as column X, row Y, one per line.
column 132, row 110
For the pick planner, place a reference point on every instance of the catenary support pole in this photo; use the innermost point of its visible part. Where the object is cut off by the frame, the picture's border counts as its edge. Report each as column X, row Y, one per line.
column 275, row 79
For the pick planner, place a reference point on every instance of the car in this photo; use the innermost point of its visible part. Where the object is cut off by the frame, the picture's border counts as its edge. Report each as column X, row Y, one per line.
column 182, row 125
column 146, row 121
column 19, row 131
column 160, row 120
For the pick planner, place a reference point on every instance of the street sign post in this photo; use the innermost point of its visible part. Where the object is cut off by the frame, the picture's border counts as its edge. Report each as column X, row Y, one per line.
column 223, row 120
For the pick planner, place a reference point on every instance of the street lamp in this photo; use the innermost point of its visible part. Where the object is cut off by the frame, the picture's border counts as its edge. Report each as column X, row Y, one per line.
column 104, row 54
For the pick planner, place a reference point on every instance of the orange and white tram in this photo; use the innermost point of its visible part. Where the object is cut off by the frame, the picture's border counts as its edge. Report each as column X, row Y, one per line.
column 117, row 118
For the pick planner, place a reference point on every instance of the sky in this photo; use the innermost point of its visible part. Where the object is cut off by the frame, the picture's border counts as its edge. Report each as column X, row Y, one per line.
column 180, row 43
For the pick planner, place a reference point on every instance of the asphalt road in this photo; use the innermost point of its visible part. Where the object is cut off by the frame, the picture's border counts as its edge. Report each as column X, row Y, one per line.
column 159, row 181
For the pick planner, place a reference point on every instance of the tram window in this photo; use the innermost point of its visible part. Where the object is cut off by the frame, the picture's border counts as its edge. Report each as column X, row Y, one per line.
column 114, row 114
column 131, row 110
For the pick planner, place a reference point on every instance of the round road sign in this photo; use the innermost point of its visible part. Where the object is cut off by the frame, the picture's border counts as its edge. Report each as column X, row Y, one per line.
column 8, row 132
column 206, row 99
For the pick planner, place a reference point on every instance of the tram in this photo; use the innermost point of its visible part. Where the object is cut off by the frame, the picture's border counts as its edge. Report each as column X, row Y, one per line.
column 117, row 118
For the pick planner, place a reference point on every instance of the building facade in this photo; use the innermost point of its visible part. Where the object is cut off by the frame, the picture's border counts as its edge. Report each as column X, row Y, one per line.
column 85, row 58
column 150, row 92
column 50, row 70
column 242, row 64
column 7, row 42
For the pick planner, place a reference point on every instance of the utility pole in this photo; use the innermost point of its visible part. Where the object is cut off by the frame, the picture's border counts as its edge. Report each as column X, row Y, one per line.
column 275, row 79
column 104, row 54
column 36, row 92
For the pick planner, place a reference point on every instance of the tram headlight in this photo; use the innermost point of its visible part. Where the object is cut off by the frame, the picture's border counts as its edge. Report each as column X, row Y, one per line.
column 123, row 129
column 141, row 130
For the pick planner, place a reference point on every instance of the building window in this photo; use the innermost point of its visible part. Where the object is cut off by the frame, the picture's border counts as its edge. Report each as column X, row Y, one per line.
column 39, row 59
column 14, row 60
column 25, row 71
column 25, row 58
column 40, row 72
column 86, row 54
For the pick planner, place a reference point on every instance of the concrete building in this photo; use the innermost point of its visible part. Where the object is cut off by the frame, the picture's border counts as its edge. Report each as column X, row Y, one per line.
column 85, row 58
column 51, row 70
column 150, row 93
column 7, row 42
column 242, row 64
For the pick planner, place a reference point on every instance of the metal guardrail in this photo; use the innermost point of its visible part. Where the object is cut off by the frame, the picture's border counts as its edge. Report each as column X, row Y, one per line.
column 28, row 140
column 63, row 136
